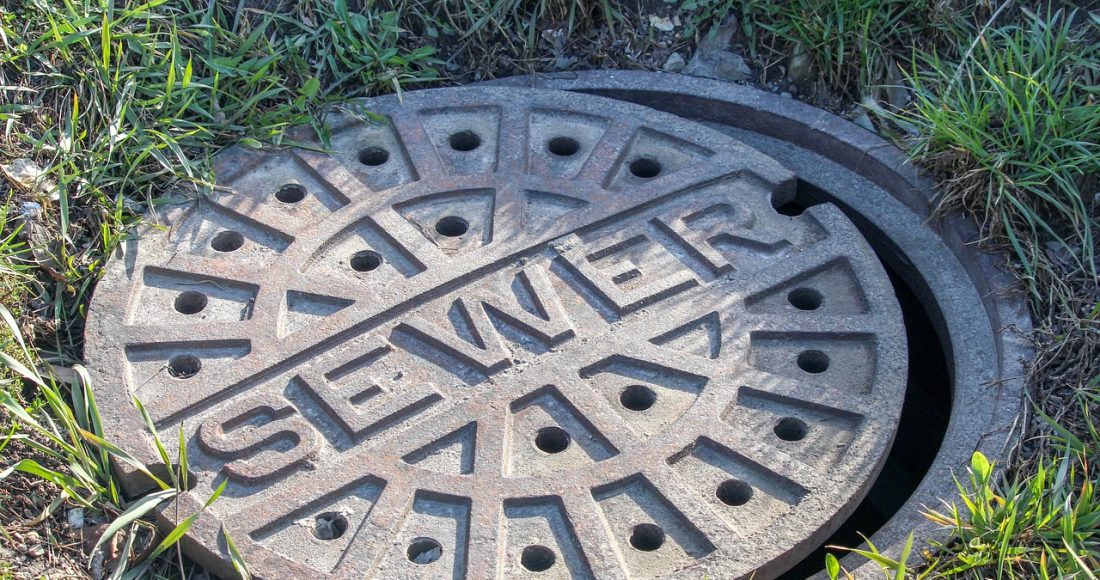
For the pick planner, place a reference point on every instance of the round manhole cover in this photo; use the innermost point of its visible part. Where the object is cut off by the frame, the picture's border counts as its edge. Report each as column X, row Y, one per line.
column 500, row 332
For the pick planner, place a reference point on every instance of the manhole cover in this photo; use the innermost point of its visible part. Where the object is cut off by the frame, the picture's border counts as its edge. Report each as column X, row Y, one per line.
column 501, row 332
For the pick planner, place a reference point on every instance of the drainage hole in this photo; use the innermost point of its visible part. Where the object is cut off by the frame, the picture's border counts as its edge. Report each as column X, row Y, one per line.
column 184, row 366
column 645, row 168
column 791, row 429
column 638, row 397
column 552, row 440
column 290, row 193
column 190, row 302
column 329, row 526
column 647, row 537
column 805, row 298
column 424, row 551
column 734, row 492
column 563, row 146
column 537, row 558
column 464, row 141
column 452, row 226
column 813, row 361
column 365, row 261
column 373, row 156
column 227, row 241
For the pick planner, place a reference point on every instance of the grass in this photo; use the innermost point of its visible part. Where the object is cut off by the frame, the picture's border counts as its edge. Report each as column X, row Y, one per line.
column 1014, row 133
column 852, row 45
column 124, row 104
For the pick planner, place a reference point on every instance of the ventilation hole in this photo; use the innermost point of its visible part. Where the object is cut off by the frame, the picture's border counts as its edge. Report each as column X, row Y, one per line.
column 791, row 429
column 638, row 397
column 424, row 551
column 647, row 537
column 552, row 440
column 734, row 492
column 790, row 209
column 537, row 558
column 190, row 302
column 227, row 241
column 645, row 168
column 464, row 141
column 290, row 193
column 329, row 526
column 365, row 261
column 563, row 146
column 805, row 298
column 184, row 366
column 373, row 156
column 452, row 226
column 813, row 361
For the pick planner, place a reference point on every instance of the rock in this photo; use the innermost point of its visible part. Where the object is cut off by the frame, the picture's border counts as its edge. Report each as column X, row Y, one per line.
column 864, row 120
column 662, row 23
column 800, row 69
column 719, row 65
column 897, row 93
column 75, row 518
column 27, row 175
column 675, row 63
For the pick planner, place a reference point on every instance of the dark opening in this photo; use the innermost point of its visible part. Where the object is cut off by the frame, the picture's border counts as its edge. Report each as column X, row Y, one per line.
column 924, row 417
column 645, row 168
column 464, row 141
column 190, row 302
column 451, row 226
column 647, row 537
column 329, row 526
column 227, row 241
column 734, row 492
column 365, row 261
column 424, row 551
column 184, row 366
column 552, row 440
column 290, row 193
column 537, row 558
column 638, row 397
column 373, row 156
column 563, row 146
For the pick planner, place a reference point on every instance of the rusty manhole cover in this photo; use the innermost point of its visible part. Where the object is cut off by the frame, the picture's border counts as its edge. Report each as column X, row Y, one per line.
column 501, row 332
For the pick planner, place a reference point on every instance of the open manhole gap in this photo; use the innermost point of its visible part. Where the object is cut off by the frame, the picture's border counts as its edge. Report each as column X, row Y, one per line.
column 924, row 415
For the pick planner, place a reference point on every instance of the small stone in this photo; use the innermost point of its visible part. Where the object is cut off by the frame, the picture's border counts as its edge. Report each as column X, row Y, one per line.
column 75, row 518
column 662, row 23
column 785, row 94
column 720, row 65
column 675, row 63
column 864, row 120
column 428, row 556
column 801, row 70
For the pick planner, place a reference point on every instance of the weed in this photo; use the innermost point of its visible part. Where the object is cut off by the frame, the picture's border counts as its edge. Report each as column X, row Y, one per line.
column 1015, row 135
column 852, row 44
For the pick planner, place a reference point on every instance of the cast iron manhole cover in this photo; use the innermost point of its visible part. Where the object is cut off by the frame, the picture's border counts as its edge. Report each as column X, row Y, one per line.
column 502, row 332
